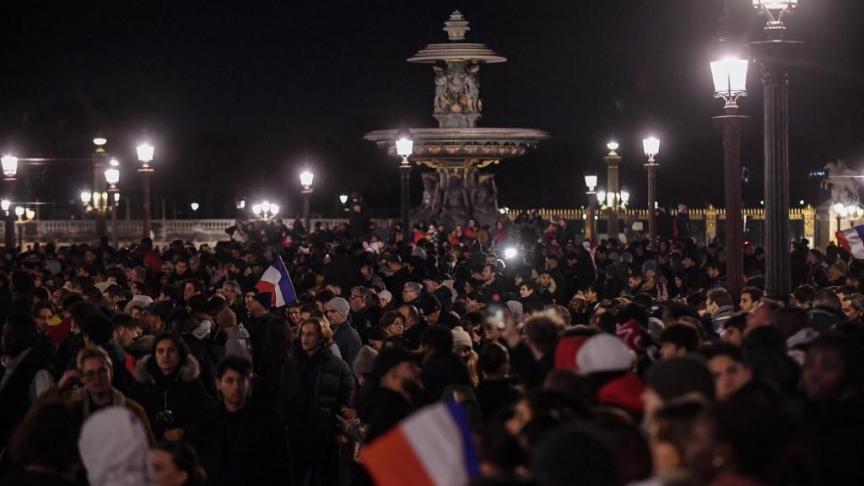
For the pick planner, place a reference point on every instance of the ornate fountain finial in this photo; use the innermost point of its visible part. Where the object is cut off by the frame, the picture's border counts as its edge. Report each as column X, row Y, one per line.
column 456, row 27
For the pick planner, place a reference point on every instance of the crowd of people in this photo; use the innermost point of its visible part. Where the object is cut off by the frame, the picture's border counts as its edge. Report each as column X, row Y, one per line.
column 579, row 362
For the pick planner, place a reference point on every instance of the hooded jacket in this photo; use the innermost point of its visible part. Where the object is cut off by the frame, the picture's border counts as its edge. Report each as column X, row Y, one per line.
column 181, row 393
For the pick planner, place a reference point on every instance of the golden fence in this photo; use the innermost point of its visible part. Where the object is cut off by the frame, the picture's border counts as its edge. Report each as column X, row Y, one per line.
column 710, row 215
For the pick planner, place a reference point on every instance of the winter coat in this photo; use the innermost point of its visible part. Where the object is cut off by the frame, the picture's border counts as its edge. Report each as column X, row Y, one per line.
column 440, row 371
column 313, row 390
column 181, row 393
column 242, row 448
column 348, row 340
column 20, row 389
column 382, row 409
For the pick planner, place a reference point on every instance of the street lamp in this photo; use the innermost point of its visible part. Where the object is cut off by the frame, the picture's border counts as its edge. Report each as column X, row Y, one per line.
column 612, row 161
column 146, row 152
column 10, row 167
column 651, row 147
column 5, row 204
column 112, row 177
column 306, row 178
column 405, row 148
column 730, row 83
column 343, row 199
column 591, row 184
column 265, row 210
column 86, row 196
column 774, row 54
column 194, row 206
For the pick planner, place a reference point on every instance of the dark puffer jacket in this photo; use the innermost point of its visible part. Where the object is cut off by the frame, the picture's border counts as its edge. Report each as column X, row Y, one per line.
column 181, row 393
column 313, row 391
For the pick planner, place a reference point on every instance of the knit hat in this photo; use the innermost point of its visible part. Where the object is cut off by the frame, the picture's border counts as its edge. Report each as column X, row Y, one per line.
column 566, row 351
column 365, row 361
column 676, row 377
column 340, row 305
column 461, row 337
column 516, row 309
column 603, row 352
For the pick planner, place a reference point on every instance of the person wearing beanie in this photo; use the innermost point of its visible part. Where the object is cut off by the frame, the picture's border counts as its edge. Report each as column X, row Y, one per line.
column 236, row 336
column 607, row 362
column 364, row 363
column 338, row 312
column 674, row 378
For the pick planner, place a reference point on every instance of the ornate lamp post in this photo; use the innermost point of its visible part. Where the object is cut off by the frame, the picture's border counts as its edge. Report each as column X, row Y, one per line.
column 612, row 161
column 404, row 148
column 591, row 184
column 306, row 179
column 651, row 147
column 10, row 170
column 730, row 83
column 145, row 153
column 265, row 210
column 112, row 177
column 773, row 54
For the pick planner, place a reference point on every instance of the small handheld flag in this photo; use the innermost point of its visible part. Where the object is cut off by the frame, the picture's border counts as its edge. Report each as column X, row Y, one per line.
column 277, row 282
column 852, row 240
column 432, row 447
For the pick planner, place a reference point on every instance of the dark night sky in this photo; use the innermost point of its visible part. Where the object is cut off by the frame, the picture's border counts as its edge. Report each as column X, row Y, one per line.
column 238, row 96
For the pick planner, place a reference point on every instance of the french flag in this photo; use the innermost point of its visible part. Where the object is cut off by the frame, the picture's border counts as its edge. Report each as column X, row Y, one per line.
column 432, row 447
column 277, row 282
column 852, row 240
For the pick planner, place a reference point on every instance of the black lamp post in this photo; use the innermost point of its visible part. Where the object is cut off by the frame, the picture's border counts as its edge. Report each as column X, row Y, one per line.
column 774, row 54
column 404, row 148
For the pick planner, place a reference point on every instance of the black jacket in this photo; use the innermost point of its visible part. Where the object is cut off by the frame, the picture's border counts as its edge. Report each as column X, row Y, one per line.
column 441, row 371
column 181, row 393
column 15, row 396
column 243, row 448
column 313, row 390
column 381, row 409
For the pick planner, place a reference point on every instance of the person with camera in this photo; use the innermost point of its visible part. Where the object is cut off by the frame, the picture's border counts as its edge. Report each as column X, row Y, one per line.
column 238, row 442
column 167, row 385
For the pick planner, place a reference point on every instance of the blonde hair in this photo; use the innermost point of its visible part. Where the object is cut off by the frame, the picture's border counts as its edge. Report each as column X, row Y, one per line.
column 91, row 352
column 324, row 329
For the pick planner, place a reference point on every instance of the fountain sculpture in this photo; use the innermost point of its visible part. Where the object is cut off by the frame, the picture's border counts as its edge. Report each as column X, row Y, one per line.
column 457, row 150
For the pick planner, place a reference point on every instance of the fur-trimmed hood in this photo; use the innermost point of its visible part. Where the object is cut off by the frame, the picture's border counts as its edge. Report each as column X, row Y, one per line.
column 188, row 371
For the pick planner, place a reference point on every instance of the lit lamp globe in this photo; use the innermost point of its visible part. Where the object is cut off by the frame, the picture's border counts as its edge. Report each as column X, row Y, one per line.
column 510, row 253
column 265, row 207
column 306, row 178
column 601, row 197
column 343, row 198
column 651, row 146
column 404, row 148
column 730, row 80
column 591, row 182
column 10, row 166
column 274, row 209
column 112, row 176
column 612, row 146
column 625, row 197
column 194, row 206
column 256, row 209
column 145, row 153
column 5, row 204
column 19, row 211
column 86, row 196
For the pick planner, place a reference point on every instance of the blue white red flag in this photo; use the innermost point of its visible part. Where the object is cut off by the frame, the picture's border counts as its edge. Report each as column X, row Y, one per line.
column 432, row 447
column 852, row 240
column 277, row 282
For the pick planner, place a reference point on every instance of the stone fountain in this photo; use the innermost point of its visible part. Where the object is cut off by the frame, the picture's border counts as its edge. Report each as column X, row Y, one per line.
column 456, row 189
